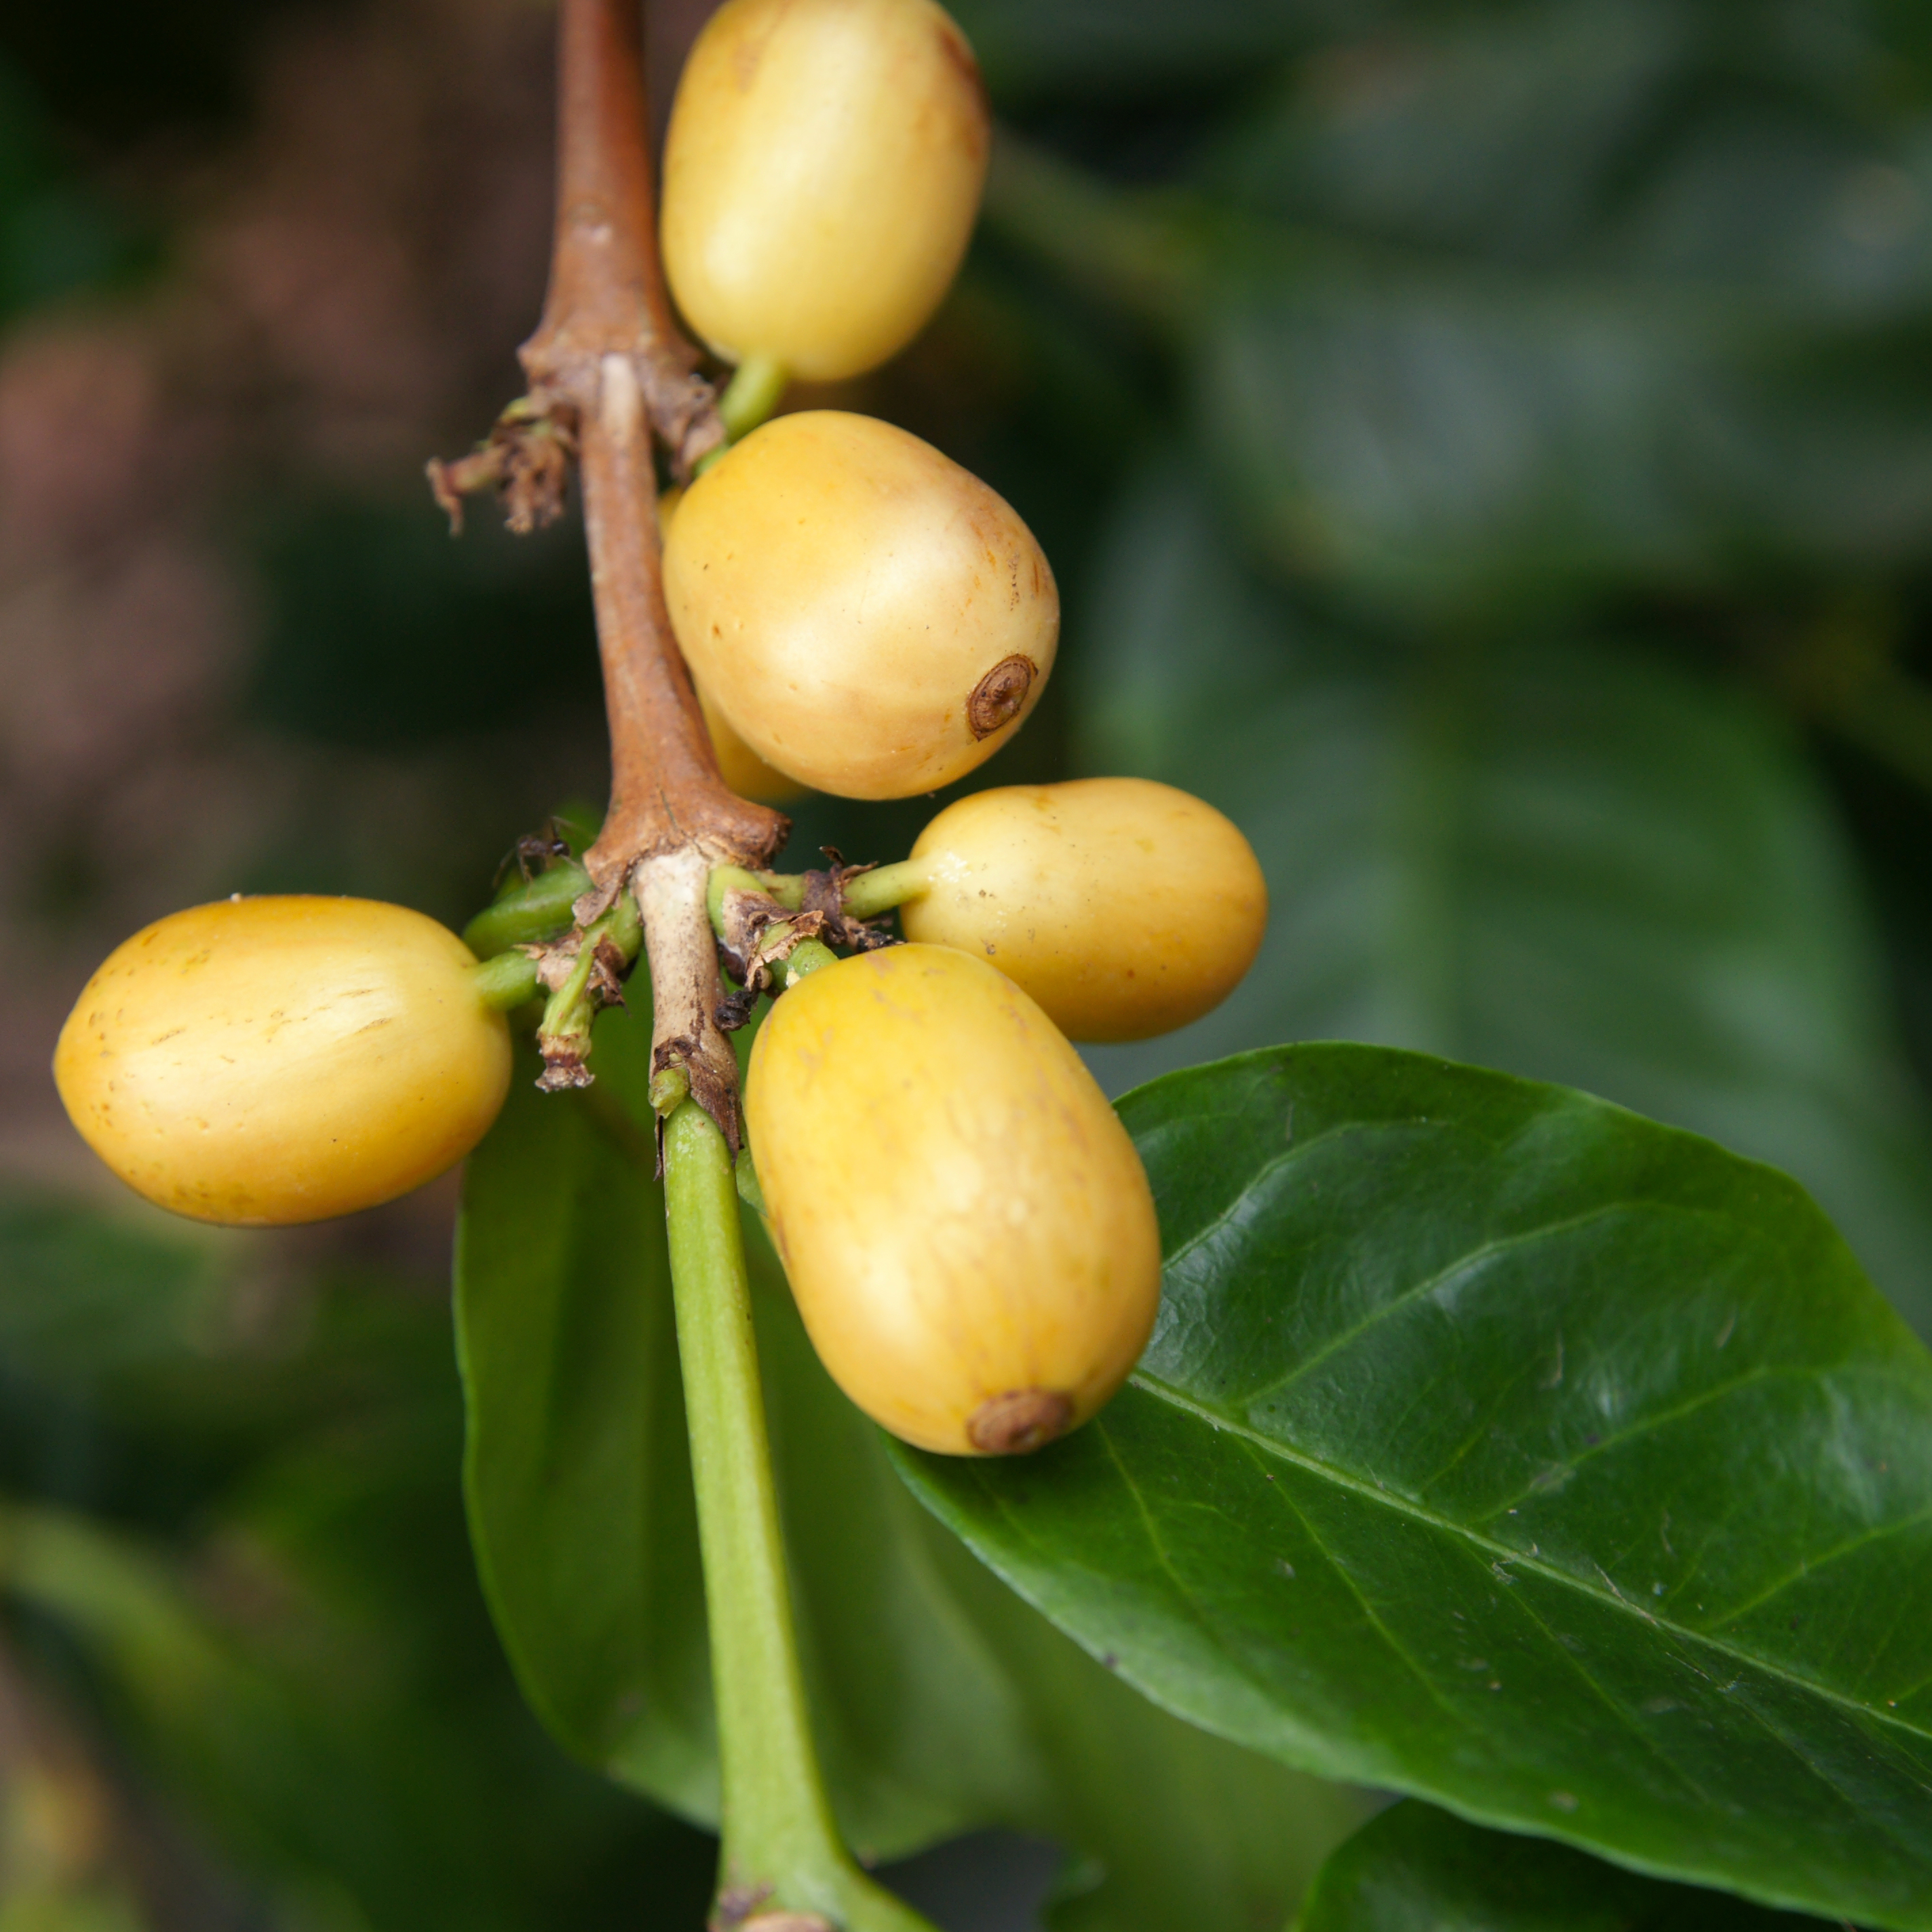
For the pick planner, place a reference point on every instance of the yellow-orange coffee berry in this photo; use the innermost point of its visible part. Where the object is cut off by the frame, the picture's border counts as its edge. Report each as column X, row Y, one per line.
column 822, row 172
column 272, row 1059
column 873, row 621
column 1126, row 908
column 741, row 767
column 966, row 1225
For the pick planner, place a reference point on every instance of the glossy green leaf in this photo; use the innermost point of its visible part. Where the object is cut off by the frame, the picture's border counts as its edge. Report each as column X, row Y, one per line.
column 1169, row 1825
column 1573, row 862
column 1414, row 1869
column 1498, row 1446
column 941, row 1702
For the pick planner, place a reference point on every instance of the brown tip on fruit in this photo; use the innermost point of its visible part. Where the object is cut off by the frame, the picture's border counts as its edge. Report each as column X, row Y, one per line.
column 1018, row 1422
column 998, row 696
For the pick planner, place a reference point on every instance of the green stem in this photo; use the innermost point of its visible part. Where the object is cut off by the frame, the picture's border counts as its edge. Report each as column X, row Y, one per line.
column 778, row 1831
column 537, row 910
column 622, row 926
column 788, row 891
column 885, row 887
column 807, row 957
column 506, row 982
column 756, row 387
column 573, row 1007
column 870, row 894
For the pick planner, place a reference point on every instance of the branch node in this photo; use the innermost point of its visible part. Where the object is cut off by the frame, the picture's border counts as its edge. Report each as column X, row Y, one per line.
column 824, row 893
column 526, row 459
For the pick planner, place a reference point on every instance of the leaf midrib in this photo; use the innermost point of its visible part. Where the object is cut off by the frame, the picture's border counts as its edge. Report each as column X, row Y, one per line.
column 1342, row 1130
column 1402, row 1505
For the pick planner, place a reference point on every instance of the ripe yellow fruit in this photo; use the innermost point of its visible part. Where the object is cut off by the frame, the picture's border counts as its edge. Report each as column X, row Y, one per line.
column 1126, row 908
column 873, row 621
column 264, row 1060
column 822, row 172
column 743, row 769
column 967, row 1227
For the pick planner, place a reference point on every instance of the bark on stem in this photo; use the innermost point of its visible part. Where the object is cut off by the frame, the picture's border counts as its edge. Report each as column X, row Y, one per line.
column 607, row 357
column 607, row 291
column 685, row 986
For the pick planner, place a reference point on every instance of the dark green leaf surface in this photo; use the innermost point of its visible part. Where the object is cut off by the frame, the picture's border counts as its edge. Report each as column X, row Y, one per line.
column 1499, row 1446
column 1415, row 1869
column 575, row 1472
column 1573, row 862
column 941, row 1702
column 1431, row 443
column 1486, row 310
column 1170, row 1826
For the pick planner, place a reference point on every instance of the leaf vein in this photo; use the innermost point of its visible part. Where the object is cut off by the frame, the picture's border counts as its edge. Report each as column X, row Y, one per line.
column 1614, row 1705
column 1355, row 1590
column 1811, row 1565
column 1399, row 1504
column 1474, row 1258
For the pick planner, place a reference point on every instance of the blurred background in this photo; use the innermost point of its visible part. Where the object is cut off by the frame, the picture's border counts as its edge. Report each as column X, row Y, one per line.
column 1486, row 448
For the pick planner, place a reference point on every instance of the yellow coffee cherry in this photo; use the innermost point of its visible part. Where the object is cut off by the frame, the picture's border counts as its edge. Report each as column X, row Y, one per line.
column 966, row 1225
column 743, row 770
column 264, row 1060
column 873, row 620
column 741, row 767
column 822, row 172
column 1126, row 908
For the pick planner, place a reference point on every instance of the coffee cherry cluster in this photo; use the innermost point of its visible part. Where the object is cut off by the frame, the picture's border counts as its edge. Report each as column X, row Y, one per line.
column 966, row 1225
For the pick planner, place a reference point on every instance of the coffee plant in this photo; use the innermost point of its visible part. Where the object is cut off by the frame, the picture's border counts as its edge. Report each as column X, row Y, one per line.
column 871, row 1431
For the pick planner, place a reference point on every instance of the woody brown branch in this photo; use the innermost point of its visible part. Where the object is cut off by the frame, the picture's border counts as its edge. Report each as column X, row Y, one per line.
column 607, row 351
column 607, row 360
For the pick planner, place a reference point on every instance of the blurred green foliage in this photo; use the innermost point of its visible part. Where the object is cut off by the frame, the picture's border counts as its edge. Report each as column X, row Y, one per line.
column 1486, row 447
column 57, row 235
column 234, row 1534
column 381, row 633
